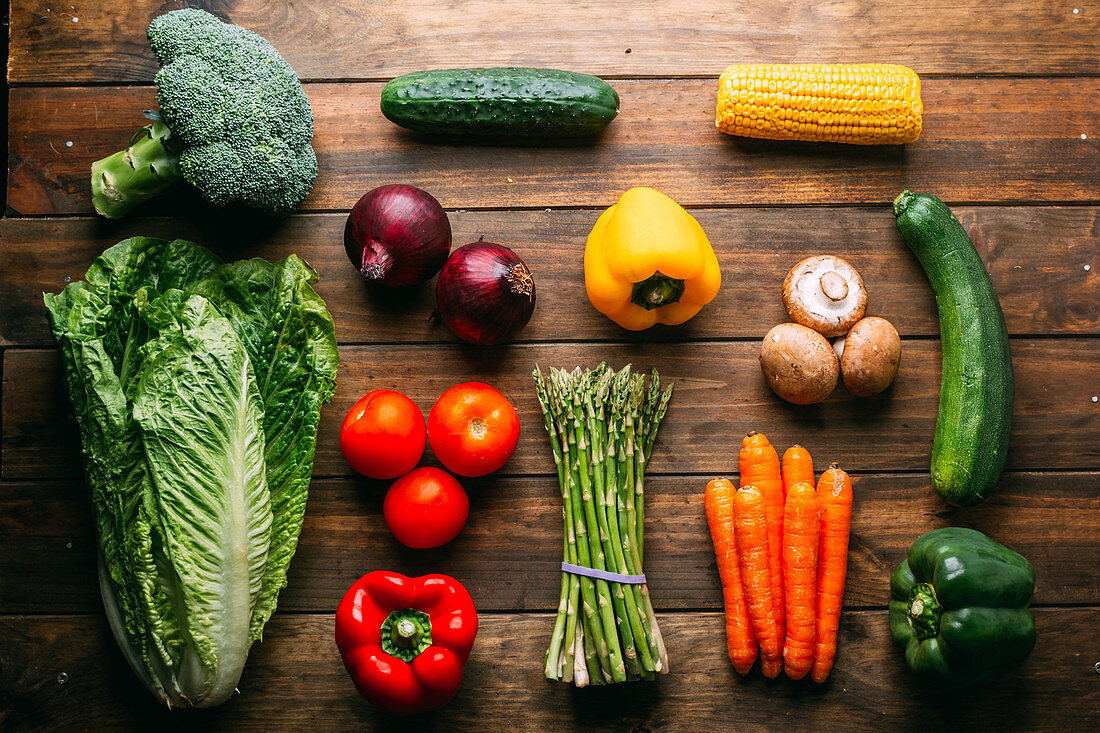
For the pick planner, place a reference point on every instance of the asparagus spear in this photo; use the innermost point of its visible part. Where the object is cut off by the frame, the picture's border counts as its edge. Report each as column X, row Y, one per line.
column 555, row 655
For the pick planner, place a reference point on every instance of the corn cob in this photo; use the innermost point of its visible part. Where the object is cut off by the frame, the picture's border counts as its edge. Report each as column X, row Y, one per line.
column 861, row 104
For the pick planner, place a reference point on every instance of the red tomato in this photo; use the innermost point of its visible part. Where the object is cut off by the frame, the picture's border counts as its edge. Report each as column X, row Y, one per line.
column 473, row 429
column 426, row 508
column 383, row 434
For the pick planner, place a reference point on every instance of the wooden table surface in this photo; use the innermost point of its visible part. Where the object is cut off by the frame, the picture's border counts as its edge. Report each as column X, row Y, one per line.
column 1011, row 141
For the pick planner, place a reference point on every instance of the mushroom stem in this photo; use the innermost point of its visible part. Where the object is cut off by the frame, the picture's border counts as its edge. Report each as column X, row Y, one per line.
column 834, row 285
column 826, row 294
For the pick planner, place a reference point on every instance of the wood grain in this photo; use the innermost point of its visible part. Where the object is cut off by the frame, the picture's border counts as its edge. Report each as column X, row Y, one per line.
column 985, row 140
column 358, row 39
column 294, row 680
column 1009, row 90
column 720, row 395
column 1043, row 289
column 509, row 551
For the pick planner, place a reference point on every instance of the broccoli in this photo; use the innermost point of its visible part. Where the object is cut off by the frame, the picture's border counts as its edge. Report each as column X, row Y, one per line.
column 233, row 122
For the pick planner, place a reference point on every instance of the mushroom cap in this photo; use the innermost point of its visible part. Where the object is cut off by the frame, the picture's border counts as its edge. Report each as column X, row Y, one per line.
column 799, row 364
column 871, row 355
column 825, row 293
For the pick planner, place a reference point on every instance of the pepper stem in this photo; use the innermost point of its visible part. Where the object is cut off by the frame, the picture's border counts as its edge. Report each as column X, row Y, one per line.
column 924, row 611
column 657, row 290
column 405, row 634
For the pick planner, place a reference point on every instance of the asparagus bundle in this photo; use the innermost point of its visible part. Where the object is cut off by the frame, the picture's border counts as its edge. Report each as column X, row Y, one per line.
column 602, row 425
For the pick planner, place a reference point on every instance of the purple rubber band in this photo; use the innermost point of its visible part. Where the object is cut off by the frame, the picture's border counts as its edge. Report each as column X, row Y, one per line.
column 603, row 574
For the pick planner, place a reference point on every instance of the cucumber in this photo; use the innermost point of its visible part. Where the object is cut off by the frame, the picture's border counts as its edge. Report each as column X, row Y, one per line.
column 509, row 102
column 976, row 388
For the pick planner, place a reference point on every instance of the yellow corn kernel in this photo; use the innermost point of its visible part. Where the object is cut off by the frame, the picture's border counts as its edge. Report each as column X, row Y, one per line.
column 860, row 104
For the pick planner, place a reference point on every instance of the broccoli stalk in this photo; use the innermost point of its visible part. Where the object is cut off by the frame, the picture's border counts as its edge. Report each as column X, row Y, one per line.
column 123, row 180
column 234, row 123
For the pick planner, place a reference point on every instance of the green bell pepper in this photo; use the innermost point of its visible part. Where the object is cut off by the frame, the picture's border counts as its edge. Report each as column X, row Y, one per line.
column 959, row 607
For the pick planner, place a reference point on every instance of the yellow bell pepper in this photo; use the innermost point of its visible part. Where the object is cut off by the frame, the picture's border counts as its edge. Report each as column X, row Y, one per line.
column 648, row 261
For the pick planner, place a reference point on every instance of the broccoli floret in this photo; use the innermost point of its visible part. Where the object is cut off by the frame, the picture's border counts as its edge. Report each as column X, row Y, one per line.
column 233, row 122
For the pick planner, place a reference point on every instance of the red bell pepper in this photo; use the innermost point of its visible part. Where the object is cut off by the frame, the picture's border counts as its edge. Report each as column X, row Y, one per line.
column 404, row 640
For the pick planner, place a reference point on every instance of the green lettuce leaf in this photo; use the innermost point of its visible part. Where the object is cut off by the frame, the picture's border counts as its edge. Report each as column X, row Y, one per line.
column 141, row 262
column 200, row 416
column 291, row 341
column 113, row 462
column 96, row 333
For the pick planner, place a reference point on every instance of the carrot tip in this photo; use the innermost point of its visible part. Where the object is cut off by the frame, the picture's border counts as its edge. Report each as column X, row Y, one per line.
column 771, row 667
column 795, row 674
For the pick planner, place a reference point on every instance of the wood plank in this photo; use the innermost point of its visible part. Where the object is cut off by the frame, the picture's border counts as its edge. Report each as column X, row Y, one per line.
column 508, row 553
column 295, row 679
column 106, row 42
column 1035, row 255
column 720, row 396
column 985, row 140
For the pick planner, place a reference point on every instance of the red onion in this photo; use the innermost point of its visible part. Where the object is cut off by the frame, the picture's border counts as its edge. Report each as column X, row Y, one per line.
column 397, row 235
column 485, row 293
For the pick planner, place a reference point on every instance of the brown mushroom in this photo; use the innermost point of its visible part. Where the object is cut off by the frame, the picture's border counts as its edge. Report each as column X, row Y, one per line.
column 869, row 356
column 799, row 364
column 825, row 293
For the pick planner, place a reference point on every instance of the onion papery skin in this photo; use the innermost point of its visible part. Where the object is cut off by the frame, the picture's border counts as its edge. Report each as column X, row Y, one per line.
column 485, row 293
column 397, row 235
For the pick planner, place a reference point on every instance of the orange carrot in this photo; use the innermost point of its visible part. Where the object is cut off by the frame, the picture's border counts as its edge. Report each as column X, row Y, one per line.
column 750, row 528
column 760, row 468
column 801, row 527
column 834, row 492
column 798, row 468
column 740, row 641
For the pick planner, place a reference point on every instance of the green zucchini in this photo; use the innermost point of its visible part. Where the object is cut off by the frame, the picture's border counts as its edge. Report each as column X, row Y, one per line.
column 508, row 102
column 976, row 388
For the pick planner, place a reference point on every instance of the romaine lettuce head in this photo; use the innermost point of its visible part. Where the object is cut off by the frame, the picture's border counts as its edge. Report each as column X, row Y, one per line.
column 197, row 388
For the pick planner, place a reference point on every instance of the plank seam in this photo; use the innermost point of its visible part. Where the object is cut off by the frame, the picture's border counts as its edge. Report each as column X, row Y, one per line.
column 550, row 611
column 625, row 342
column 45, row 84
column 900, row 472
column 308, row 213
column 11, row 214
column 895, row 472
